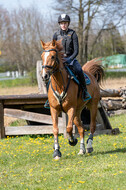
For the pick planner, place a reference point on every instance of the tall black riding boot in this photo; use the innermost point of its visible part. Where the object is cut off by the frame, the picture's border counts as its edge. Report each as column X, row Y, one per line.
column 85, row 94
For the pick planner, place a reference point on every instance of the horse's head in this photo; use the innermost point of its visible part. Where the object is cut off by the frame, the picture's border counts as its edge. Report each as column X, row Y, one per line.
column 50, row 58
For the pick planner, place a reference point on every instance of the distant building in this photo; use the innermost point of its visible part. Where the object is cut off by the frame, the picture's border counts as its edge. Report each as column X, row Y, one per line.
column 114, row 61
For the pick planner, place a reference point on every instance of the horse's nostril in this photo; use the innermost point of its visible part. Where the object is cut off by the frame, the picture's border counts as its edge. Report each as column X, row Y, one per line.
column 46, row 76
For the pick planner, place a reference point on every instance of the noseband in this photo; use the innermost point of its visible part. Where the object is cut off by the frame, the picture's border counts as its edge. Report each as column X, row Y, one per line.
column 54, row 67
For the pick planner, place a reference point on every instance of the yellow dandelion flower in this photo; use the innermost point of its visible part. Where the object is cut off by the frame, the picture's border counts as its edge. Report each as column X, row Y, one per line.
column 115, row 174
column 120, row 172
column 81, row 181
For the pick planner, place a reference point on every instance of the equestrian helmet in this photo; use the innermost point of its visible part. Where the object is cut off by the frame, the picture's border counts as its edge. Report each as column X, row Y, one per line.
column 63, row 18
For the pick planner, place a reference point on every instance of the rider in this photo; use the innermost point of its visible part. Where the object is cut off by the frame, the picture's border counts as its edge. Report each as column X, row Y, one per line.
column 71, row 49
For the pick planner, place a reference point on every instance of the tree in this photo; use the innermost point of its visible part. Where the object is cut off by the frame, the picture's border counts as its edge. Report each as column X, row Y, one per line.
column 20, row 34
column 89, row 12
column 23, row 38
column 4, row 27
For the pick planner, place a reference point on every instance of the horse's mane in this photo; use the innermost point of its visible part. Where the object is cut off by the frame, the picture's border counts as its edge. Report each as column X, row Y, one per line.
column 95, row 68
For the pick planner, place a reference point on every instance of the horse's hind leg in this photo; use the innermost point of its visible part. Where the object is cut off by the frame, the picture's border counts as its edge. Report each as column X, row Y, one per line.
column 72, row 140
column 93, row 113
column 77, row 122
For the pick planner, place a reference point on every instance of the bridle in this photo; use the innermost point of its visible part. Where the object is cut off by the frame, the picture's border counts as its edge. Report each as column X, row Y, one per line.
column 53, row 68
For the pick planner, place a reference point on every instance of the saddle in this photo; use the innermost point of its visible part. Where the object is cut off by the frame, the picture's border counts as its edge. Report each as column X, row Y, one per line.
column 71, row 72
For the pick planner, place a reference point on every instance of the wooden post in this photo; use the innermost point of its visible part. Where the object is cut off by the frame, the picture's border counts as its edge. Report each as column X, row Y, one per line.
column 2, row 129
column 41, row 85
column 104, row 117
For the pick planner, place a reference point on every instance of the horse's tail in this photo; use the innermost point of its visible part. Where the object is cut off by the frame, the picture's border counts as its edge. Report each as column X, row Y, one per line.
column 95, row 68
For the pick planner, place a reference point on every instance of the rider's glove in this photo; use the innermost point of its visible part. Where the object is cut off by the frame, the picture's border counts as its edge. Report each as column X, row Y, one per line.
column 67, row 60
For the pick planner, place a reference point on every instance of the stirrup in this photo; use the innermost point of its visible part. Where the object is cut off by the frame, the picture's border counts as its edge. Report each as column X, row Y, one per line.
column 85, row 95
column 46, row 105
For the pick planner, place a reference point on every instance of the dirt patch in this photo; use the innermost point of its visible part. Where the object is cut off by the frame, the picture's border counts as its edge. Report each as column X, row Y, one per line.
column 114, row 83
column 9, row 120
column 19, row 90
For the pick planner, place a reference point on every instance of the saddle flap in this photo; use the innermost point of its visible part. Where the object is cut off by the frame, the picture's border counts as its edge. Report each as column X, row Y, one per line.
column 87, row 79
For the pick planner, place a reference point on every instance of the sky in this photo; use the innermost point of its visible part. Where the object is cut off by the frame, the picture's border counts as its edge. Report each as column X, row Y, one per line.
column 43, row 5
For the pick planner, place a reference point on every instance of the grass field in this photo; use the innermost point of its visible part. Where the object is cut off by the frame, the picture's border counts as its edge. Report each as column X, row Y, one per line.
column 26, row 163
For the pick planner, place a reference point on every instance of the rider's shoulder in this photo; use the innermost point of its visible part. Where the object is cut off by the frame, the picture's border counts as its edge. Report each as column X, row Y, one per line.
column 71, row 30
column 58, row 32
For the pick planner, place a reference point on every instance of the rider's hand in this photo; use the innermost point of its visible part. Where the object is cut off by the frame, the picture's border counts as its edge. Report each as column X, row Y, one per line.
column 67, row 60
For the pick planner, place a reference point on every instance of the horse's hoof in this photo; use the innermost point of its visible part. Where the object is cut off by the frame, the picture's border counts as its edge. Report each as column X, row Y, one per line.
column 73, row 143
column 81, row 152
column 89, row 150
column 57, row 154
column 57, row 158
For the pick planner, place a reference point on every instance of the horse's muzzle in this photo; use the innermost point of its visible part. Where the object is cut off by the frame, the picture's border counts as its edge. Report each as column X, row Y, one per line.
column 45, row 77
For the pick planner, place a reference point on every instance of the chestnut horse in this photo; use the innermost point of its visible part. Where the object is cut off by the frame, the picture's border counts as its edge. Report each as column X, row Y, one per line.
column 64, row 95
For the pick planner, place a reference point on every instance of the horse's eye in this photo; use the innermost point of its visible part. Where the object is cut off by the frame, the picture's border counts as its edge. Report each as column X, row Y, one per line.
column 52, row 57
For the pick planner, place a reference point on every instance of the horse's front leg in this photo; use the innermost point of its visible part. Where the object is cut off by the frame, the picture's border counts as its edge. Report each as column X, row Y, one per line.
column 77, row 122
column 72, row 139
column 54, row 114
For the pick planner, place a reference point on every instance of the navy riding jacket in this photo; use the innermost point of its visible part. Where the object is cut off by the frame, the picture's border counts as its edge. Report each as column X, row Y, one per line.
column 69, row 42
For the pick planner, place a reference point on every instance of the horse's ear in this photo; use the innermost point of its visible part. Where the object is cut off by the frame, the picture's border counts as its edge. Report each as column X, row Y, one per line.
column 43, row 44
column 53, row 42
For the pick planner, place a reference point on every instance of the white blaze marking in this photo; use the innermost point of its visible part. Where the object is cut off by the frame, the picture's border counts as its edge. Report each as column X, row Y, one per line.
column 45, row 59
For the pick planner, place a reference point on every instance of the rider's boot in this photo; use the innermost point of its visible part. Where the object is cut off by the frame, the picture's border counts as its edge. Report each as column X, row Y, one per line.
column 85, row 94
column 46, row 105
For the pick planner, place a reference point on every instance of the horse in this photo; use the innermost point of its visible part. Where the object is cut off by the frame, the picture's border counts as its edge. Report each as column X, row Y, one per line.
column 65, row 95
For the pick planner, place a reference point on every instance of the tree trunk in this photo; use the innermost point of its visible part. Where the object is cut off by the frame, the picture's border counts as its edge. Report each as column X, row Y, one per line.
column 80, row 33
column 87, row 36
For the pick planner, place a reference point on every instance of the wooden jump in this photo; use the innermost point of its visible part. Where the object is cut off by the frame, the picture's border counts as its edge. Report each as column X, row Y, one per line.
column 20, row 106
column 17, row 106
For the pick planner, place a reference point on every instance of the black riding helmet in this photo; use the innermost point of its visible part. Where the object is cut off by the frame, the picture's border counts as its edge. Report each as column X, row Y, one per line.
column 63, row 18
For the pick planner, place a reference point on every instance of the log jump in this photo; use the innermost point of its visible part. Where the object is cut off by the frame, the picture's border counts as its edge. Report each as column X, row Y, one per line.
column 114, row 101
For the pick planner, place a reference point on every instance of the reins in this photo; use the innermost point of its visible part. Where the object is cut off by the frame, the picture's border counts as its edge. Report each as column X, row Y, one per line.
column 59, row 97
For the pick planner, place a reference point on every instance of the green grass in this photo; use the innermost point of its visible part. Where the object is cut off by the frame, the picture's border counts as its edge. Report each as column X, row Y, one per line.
column 26, row 163
column 18, row 82
column 19, row 122
column 114, row 74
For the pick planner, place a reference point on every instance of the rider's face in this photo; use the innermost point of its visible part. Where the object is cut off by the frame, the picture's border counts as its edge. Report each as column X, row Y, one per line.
column 64, row 25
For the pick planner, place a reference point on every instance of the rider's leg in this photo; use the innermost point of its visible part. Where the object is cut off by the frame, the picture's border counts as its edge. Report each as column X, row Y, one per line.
column 81, row 77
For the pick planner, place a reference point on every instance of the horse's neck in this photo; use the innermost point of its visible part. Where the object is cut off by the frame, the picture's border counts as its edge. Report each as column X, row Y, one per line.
column 60, row 78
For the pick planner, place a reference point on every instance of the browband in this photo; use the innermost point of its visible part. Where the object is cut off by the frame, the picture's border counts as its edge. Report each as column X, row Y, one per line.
column 50, row 50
